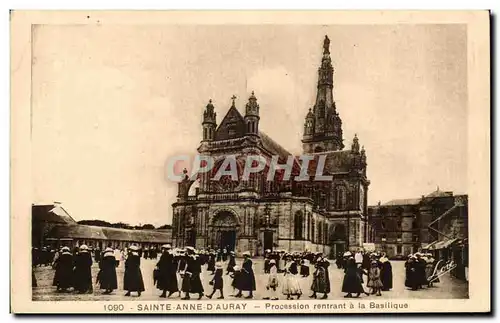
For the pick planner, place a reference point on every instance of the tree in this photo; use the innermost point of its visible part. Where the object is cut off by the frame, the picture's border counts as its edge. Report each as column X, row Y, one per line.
column 98, row 223
column 166, row 226
column 148, row 227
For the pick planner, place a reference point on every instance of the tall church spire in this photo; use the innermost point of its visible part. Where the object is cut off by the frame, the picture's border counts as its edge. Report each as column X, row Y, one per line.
column 327, row 126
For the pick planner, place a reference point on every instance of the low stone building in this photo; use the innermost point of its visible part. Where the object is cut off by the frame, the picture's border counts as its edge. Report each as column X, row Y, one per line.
column 101, row 237
column 44, row 217
column 53, row 227
column 437, row 222
column 394, row 227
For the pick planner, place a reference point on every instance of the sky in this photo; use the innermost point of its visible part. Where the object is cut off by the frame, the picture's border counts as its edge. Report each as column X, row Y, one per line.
column 110, row 104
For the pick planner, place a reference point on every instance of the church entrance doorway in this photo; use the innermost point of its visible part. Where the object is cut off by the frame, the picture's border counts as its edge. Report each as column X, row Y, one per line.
column 268, row 240
column 224, row 229
column 227, row 240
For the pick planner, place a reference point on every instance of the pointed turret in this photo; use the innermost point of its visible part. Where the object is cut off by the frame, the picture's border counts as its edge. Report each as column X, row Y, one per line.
column 327, row 126
column 252, row 116
column 209, row 123
column 309, row 125
column 355, row 144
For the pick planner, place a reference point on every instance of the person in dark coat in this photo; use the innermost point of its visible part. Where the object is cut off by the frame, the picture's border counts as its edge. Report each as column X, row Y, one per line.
column 63, row 277
column 231, row 263
column 97, row 255
column 420, row 265
column 191, row 282
column 107, row 274
column 167, row 277
column 326, row 264
column 411, row 279
column 385, row 273
column 247, row 276
column 132, row 280
column 82, row 271
column 217, row 282
column 352, row 281
column 304, row 267
column 211, row 262
column 319, row 284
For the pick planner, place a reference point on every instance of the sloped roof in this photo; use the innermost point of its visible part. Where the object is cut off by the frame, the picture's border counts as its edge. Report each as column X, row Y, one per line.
column 439, row 193
column 51, row 213
column 232, row 126
column 80, row 231
column 272, row 146
column 341, row 161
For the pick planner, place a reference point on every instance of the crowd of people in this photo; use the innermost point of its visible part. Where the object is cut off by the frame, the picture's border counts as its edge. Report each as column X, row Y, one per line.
column 178, row 271
column 420, row 271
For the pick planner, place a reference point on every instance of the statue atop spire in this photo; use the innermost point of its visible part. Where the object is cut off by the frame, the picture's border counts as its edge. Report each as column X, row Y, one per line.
column 233, row 98
column 355, row 144
column 326, row 45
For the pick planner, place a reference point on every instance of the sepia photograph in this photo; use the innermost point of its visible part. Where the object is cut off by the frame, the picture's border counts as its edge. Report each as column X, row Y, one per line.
column 253, row 163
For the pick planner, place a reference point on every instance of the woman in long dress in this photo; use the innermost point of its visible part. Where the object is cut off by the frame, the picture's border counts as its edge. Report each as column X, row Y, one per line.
column 386, row 273
column 247, row 276
column 167, row 273
column 107, row 273
column 63, row 277
column 132, row 280
column 291, row 286
column 411, row 279
column 352, row 280
column 319, row 280
column 82, row 271
column 191, row 283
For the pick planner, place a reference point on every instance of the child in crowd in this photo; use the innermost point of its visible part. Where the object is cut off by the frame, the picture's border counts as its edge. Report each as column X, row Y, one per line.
column 217, row 281
column 272, row 282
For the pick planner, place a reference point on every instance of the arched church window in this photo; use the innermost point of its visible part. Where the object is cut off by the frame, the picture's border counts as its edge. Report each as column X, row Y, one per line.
column 341, row 197
column 205, row 133
column 321, row 108
column 322, row 199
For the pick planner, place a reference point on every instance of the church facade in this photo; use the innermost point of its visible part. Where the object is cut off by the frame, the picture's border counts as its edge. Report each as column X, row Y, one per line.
column 254, row 214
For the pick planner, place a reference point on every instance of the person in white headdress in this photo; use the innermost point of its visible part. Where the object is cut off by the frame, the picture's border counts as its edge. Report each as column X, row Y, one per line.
column 247, row 276
column 291, row 286
column 63, row 277
column 167, row 272
column 272, row 281
column 385, row 272
column 132, row 281
column 82, row 271
column 107, row 273
column 217, row 282
column 191, row 282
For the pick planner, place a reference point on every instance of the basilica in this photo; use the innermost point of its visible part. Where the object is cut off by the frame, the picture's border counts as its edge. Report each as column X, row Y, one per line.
column 254, row 214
